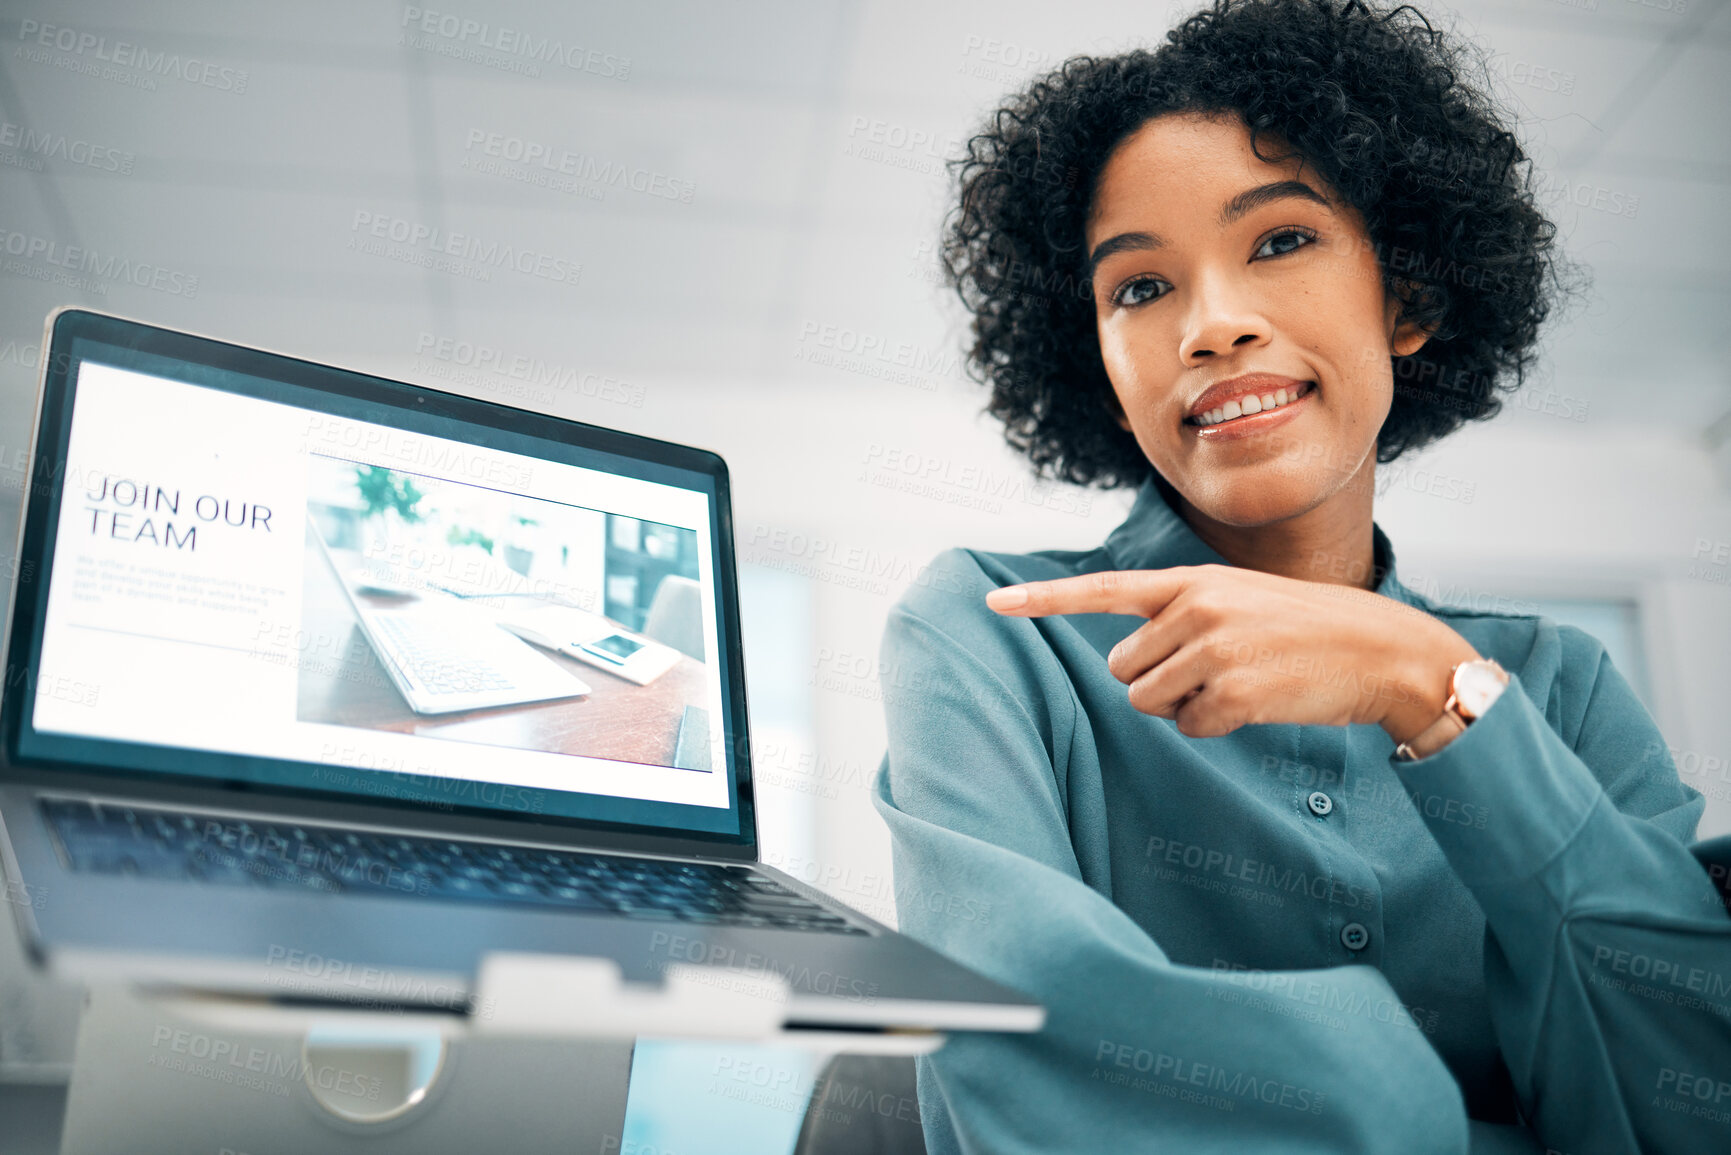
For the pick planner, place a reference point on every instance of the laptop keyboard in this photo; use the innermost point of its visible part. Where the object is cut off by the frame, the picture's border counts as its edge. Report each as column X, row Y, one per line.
column 434, row 664
column 149, row 843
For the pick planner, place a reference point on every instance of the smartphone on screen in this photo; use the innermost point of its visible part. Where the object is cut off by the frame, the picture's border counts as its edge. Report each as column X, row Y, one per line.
column 615, row 648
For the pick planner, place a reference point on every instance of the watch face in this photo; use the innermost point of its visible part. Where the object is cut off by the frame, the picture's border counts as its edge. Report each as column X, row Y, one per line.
column 1476, row 686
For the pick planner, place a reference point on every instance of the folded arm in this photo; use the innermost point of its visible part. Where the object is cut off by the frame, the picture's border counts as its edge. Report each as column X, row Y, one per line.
column 1608, row 949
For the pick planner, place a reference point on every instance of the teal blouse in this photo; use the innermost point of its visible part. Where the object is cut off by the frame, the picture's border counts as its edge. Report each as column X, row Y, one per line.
column 1284, row 939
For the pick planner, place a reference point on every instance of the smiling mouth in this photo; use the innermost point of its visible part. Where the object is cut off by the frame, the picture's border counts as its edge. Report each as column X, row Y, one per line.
column 1249, row 405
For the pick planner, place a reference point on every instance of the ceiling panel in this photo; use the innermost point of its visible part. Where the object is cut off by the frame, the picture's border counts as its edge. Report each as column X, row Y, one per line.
column 803, row 145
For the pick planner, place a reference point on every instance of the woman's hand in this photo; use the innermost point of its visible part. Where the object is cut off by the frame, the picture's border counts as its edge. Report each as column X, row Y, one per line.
column 1226, row 646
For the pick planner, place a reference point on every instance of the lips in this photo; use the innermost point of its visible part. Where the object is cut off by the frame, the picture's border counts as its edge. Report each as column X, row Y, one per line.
column 1247, row 394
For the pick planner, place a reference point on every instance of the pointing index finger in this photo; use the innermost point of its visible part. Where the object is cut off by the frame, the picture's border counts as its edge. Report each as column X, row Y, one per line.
column 1143, row 592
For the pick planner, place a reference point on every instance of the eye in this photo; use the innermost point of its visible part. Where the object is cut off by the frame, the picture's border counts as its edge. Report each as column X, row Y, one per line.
column 1137, row 291
column 1285, row 241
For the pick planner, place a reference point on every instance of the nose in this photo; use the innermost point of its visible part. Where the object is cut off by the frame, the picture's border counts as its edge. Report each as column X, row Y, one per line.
column 1221, row 318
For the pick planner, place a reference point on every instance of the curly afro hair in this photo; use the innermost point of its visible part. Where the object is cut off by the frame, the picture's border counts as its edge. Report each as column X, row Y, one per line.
column 1375, row 101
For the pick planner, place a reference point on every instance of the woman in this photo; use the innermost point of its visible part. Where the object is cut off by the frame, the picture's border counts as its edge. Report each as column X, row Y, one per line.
column 1341, row 869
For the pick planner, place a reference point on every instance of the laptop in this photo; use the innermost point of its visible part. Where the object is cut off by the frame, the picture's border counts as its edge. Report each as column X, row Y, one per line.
column 220, row 763
column 443, row 656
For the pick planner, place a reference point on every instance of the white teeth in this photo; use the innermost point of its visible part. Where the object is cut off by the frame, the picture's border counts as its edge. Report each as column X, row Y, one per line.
column 1248, row 404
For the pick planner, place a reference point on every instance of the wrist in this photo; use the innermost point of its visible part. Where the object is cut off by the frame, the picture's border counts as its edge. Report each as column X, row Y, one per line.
column 1474, row 687
column 1432, row 738
column 1427, row 670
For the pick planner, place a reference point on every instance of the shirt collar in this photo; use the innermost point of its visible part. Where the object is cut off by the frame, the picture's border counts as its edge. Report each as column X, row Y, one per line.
column 1155, row 536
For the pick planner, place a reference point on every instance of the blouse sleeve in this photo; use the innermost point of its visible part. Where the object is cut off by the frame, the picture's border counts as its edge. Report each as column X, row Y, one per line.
column 1138, row 1053
column 1607, row 947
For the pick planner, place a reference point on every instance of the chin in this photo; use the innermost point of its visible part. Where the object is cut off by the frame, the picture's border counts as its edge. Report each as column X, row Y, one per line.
column 1258, row 498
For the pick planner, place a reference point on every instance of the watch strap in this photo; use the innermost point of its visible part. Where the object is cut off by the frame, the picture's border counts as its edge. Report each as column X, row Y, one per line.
column 1448, row 726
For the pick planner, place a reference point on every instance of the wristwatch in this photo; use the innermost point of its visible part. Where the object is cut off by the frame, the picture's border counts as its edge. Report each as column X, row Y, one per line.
column 1473, row 686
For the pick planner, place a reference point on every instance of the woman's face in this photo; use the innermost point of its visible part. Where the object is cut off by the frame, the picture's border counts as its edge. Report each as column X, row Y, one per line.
column 1220, row 280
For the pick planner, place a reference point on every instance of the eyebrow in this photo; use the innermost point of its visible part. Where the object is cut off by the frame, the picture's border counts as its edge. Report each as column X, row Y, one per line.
column 1252, row 199
column 1122, row 243
column 1239, row 206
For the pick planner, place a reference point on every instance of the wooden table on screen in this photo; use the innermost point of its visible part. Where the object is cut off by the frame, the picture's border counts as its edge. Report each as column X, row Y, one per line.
column 342, row 683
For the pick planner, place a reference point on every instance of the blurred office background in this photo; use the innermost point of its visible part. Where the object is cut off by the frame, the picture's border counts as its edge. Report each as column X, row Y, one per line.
column 715, row 223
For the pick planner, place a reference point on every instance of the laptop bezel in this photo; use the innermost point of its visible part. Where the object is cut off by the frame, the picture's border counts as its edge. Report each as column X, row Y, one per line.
column 32, row 547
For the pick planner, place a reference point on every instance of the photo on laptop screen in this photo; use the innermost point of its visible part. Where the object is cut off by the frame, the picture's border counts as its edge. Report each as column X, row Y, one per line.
column 260, row 579
column 479, row 614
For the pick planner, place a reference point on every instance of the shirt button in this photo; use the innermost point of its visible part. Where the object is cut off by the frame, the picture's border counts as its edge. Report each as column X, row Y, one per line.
column 1354, row 937
column 1320, row 803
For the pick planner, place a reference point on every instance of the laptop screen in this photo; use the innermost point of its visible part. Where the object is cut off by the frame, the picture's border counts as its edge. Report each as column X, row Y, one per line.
column 267, row 571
